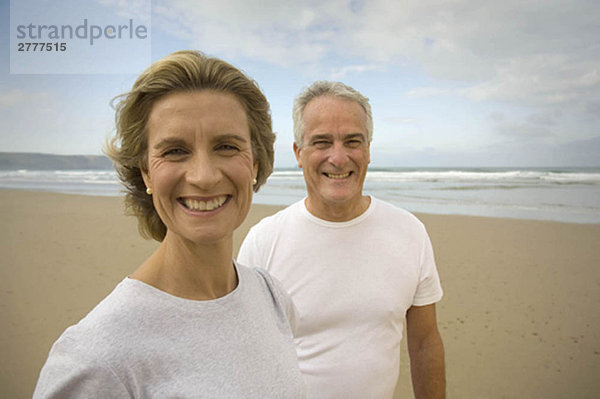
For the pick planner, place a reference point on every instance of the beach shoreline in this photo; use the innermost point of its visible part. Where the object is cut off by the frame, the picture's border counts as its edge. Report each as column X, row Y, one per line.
column 519, row 315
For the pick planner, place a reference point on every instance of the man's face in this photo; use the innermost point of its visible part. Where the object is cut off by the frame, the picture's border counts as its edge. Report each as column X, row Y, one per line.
column 334, row 155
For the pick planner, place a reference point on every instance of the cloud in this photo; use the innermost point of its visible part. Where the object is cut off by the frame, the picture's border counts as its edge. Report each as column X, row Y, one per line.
column 138, row 9
column 540, row 80
column 342, row 72
column 16, row 97
column 399, row 120
column 280, row 33
column 515, row 51
column 536, row 126
column 535, row 65
column 423, row 92
column 576, row 153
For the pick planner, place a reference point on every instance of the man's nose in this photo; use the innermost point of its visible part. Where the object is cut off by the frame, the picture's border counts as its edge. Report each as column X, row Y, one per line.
column 338, row 155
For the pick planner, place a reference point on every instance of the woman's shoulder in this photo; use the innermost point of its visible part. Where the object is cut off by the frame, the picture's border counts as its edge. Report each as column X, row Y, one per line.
column 92, row 349
column 115, row 319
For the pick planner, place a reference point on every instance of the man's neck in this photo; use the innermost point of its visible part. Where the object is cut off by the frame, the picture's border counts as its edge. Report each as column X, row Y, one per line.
column 342, row 212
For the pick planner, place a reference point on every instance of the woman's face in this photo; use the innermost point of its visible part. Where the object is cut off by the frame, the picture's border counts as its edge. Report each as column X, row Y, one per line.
column 200, row 164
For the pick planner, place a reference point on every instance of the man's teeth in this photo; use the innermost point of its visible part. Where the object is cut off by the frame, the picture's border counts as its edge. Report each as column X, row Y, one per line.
column 196, row 205
column 338, row 176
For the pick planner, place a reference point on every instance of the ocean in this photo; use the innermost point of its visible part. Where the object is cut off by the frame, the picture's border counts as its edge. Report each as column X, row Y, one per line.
column 559, row 194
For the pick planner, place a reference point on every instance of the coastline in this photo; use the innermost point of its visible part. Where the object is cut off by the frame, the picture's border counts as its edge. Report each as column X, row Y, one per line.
column 518, row 318
column 566, row 194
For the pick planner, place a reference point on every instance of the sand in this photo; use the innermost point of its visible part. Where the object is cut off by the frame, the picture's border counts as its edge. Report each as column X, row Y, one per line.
column 519, row 317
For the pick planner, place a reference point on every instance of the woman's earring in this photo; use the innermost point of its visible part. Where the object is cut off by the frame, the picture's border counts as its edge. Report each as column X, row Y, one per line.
column 149, row 191
column 254, row 181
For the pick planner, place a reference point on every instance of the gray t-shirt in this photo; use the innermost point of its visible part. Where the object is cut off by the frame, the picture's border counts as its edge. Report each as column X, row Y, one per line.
column 141, row 342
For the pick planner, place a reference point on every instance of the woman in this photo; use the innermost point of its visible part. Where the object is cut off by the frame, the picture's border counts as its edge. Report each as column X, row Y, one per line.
column 193, row 141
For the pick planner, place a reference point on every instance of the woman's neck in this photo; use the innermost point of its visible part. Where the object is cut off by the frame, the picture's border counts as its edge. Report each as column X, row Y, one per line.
column 189, row 270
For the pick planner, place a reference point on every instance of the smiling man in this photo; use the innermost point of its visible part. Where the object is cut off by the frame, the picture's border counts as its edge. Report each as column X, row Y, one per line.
column 355, row 266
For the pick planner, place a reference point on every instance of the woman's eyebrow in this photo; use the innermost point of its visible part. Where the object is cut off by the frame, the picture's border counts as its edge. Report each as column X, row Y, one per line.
column 169, row 141
column 231, row 136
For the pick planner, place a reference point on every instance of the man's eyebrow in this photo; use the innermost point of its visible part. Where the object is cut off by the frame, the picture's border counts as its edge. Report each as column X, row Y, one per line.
column 354, row 136
column 325, row 136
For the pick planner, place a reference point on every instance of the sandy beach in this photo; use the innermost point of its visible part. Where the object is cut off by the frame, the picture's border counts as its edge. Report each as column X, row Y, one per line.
column 519, row 317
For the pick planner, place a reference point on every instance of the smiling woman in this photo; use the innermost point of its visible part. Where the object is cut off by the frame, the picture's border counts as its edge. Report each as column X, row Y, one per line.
column 193, row 141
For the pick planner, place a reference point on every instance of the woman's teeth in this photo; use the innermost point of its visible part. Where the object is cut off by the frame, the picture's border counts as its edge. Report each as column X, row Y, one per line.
column 196, row 205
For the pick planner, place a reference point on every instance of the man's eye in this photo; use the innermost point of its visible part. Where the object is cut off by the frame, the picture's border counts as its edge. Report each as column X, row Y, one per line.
column 353, row 143
column 321, row 143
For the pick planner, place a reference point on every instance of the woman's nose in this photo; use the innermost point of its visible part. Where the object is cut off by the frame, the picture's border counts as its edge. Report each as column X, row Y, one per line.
column 202, row 171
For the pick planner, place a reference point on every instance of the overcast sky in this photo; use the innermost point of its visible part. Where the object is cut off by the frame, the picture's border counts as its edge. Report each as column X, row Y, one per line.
column 451, row 83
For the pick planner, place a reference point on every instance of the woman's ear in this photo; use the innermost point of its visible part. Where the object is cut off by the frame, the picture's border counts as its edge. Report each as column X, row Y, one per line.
column 255, row 170
column 147, row 180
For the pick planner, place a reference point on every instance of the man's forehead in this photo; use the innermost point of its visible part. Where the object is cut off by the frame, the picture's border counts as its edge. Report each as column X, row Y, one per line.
column 327, row 101
column 331, row 111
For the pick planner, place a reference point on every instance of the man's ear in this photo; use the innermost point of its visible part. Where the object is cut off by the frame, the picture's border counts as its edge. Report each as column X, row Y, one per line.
column 297, row 154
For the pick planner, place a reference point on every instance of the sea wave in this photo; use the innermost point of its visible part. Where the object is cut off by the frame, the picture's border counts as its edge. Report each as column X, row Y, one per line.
column 552, row 194
column 502, row 178
column 498, row 177
column 82, row 176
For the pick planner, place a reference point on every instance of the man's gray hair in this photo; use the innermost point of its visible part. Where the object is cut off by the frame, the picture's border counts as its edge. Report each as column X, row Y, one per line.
column 327, row 88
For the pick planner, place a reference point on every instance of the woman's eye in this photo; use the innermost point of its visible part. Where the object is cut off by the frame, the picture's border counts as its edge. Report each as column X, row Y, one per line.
column 227, row 147
column 174, row 152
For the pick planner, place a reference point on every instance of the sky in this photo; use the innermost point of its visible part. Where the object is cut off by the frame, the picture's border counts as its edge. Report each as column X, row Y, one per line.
column 470, row 83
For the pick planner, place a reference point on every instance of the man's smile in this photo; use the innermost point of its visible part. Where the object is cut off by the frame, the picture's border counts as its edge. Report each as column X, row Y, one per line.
column 337, row 175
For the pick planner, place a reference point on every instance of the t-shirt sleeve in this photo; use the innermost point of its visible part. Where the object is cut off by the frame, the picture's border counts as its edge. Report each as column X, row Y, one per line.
column 288, row 304
column 429, row 289
column 67, row 374
column 282, row 299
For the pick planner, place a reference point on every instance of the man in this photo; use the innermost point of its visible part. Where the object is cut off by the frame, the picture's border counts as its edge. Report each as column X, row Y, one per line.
column 354, row 265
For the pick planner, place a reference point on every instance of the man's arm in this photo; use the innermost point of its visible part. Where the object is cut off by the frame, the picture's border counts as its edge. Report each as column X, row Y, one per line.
column 426, row 352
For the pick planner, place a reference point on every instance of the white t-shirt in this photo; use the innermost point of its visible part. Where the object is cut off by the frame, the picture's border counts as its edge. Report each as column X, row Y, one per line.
column 141, row 342
column 352, row 283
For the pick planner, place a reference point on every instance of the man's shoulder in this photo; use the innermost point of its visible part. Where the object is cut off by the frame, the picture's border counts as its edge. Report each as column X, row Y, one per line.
column 395, row 214
column 279, row 218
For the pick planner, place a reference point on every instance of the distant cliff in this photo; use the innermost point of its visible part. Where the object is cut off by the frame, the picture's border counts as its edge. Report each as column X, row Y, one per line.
column 34, row 161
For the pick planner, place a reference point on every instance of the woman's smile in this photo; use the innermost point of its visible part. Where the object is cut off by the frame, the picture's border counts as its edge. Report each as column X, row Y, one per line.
column 204, row 205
